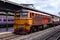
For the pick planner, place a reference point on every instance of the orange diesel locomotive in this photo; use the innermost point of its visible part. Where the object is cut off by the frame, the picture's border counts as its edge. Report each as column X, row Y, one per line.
column 30, row 21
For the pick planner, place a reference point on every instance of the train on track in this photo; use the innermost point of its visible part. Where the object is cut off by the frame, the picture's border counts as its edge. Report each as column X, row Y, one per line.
column 29, row 21
column 3, row 22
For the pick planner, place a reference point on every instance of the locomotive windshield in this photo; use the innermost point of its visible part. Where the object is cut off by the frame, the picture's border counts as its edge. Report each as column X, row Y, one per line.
column 24, row 14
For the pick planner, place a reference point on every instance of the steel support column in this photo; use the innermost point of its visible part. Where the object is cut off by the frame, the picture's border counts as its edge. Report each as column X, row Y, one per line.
column 6, row 21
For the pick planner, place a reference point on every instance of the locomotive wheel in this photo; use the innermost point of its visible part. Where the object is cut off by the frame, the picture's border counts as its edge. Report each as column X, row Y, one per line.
column 43, row 27
column 30, row 30
column 39, row 28
column 33, row 29
column 49, row 25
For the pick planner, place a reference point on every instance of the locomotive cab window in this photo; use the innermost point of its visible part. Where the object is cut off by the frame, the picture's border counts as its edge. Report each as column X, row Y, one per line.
column 24, row 14
column 17, row 14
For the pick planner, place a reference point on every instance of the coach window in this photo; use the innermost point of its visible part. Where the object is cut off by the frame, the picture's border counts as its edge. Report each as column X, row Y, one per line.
column 0, row 19
column 4, row 20
column 10, row 19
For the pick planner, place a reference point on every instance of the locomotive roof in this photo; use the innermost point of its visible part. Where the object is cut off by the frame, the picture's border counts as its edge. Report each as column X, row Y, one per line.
column 13, row 7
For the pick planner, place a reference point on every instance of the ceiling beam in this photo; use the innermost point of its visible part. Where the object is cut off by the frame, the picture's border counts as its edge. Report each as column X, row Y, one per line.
column 11, row 7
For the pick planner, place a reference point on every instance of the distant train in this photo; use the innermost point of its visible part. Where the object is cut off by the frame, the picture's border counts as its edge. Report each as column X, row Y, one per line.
column 4, row 19
column 32, row 21
column 3, row 22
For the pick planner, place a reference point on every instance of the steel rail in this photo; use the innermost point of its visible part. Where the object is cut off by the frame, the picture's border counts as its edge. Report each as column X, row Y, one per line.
column 9, row 37
column 53, row 37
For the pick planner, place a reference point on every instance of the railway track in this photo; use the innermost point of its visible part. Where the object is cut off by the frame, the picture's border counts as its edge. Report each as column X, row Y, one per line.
column 48, row 34
column 9, row 37
column 58, row 38
column 55, row 36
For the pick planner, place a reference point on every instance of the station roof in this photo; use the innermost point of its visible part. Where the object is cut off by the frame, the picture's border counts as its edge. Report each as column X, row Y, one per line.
column 12, row 7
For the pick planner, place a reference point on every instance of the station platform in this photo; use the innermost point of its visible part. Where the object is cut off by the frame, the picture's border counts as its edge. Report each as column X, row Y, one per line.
column 2, row 33
column 4, row 30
